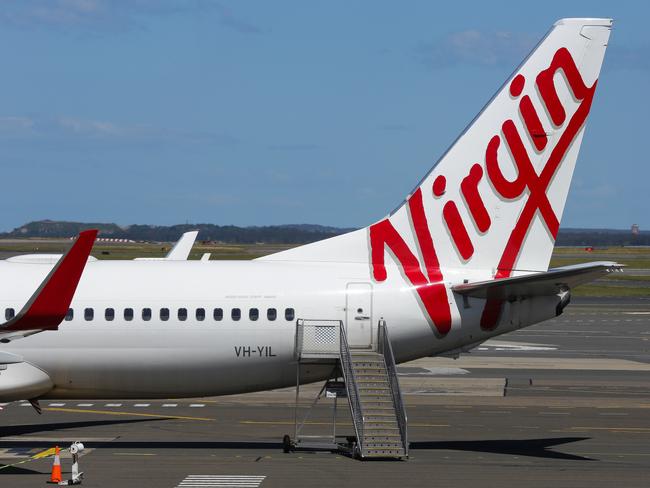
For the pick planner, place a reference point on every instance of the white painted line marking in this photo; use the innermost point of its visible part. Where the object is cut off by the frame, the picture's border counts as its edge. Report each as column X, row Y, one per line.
column 170, row 404
column 142, row 404
column 113, row 405
column 223, row 481
column 56, row 404
column 196, row 405
column 84, row 404
column 25, row 404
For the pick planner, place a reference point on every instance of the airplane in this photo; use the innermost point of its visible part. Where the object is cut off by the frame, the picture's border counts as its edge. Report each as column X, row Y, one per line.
column 465, row 257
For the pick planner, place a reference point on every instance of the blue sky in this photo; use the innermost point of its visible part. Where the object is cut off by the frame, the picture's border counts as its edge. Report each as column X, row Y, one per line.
column 257, row 113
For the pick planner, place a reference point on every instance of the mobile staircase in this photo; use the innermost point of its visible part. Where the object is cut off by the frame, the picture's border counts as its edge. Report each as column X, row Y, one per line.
column 371, row 385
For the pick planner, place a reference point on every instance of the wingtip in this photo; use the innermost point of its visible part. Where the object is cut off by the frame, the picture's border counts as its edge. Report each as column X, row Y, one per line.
column 89, row 233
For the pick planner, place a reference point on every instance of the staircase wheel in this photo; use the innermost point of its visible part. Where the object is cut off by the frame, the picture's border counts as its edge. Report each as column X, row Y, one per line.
column 286, row 443
column 356, row 452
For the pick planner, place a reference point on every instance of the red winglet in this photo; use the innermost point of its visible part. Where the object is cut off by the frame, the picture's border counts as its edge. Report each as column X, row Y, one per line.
column 49, row 304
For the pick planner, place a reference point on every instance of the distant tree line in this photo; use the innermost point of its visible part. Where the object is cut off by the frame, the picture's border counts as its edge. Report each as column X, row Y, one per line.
column 274, row 234
column 279, row 234
column 602, row 237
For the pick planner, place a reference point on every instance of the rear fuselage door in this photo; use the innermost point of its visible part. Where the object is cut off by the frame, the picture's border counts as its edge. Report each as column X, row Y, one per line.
column 358, row 313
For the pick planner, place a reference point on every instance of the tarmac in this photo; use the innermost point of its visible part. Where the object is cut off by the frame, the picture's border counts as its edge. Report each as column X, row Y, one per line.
column 563, row 403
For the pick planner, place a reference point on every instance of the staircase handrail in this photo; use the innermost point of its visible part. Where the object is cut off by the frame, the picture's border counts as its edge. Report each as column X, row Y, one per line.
column 352, row 388
column 387, row 350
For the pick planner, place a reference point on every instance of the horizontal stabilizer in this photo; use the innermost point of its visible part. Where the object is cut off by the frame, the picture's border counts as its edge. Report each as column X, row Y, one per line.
column 550, row 282
column 47, row 307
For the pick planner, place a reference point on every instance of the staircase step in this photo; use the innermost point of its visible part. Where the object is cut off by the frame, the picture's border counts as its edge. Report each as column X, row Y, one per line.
column 375, row 405
column 373, row 417
column 380, row 436
column 371, row 377
column 383, row 453
column 381, row 422
column 383, row 445
column 382, row 407
column 378, row 429
column 370, row 374
column 373, row 384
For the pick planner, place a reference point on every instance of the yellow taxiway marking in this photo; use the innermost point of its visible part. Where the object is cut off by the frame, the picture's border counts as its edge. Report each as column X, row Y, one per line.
column 131, row 414
column 286, row 422
column 47, row 452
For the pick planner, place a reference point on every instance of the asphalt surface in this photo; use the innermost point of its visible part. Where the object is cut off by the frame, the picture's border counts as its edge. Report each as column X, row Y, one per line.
column 564, row 403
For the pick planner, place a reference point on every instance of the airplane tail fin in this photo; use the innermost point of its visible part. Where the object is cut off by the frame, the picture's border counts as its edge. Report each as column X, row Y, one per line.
column 495, row 199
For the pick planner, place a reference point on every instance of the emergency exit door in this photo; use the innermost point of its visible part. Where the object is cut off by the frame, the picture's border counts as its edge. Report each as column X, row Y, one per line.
column 358, row 312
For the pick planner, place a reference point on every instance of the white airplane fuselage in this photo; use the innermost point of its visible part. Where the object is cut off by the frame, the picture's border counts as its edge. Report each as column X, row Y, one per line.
column 155, row 359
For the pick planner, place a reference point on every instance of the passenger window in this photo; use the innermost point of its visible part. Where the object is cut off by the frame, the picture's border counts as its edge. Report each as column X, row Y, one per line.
column 70, row 315
column 9, row 313
column 289, row 313
column 235, row 314
column 254, row 314
column 200, row 314
column 146, row 314
column 89, row 313
column 218, row 314
column 271, row 314
column 109, row 314
column 182, row 314
column 128, row 314
column 164, row 314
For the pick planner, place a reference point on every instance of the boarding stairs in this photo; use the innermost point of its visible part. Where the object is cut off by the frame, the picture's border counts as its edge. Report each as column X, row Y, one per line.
column 371, row 386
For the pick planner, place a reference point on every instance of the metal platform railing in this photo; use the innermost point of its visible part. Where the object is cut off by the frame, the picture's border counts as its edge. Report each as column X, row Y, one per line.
column 386, row 350
column 354, row 398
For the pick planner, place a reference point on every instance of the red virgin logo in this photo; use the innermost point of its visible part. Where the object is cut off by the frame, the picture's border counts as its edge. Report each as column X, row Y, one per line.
column 428, row 284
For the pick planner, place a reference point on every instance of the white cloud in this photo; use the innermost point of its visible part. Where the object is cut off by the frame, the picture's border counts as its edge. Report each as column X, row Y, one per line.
column 110, row 15
column 477, row 48
column 11, row 123
column 16, row 126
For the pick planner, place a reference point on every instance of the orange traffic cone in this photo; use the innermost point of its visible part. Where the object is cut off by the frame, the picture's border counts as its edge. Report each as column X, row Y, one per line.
column 56, row 468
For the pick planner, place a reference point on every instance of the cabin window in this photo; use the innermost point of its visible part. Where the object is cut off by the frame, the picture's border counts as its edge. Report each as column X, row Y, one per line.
column 9, row 313
column 200, row 314
column 218, row 314
column 128, row 314
column 89, row 313
column 289, row 313
column 235, row 314
column 271, row 314
column 254, row 314
column 69, row 315
column 182, row 314
column 146, row 314
column 109, row 314
column 164, row 314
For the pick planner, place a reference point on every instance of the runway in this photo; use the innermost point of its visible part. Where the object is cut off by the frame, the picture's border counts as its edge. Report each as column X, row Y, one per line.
column 564, row 403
